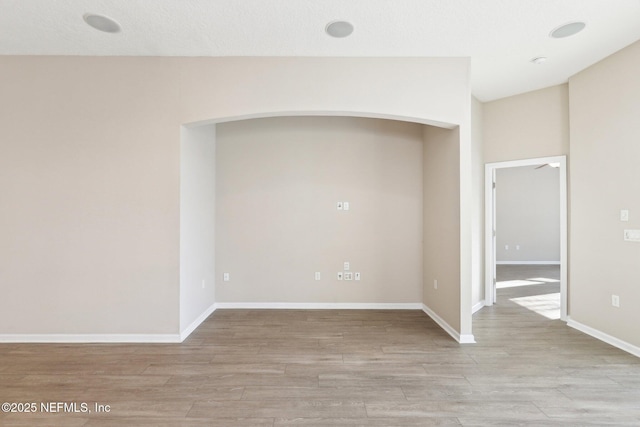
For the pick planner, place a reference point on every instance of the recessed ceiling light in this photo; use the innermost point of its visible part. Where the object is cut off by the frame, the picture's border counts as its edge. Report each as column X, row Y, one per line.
column 101, row 23
column 567, row 30
column 339, row 29
column 539, row 60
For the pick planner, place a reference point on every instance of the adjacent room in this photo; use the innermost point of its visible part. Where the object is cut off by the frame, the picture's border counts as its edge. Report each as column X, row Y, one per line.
column 319, row 213
column 528, row 237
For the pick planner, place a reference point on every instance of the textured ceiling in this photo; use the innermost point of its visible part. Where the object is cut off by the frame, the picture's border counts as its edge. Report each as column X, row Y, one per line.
column 500, row 36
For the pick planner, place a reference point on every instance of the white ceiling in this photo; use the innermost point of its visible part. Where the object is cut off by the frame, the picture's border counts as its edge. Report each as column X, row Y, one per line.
column 500, row 36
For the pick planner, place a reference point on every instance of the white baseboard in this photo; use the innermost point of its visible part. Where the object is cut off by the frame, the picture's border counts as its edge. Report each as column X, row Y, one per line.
column 616, row 342
column 319, row 306
column 477, row 306
column 527, row 262
column 462, row 339
column 192, row 327
column 177, row 338
column 90, row 338
column 108, row 338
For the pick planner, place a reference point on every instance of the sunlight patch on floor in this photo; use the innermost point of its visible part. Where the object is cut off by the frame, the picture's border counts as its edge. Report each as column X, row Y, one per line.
column 544, row 279
column 522, row 282
column 547, row 305
column 515, row 283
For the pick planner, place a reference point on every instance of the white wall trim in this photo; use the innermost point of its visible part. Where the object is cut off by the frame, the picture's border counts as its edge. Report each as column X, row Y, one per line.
column 467, row 339
column 616, row 342
column 462, row 339
column 528, row 263
column 319, row 306
column 477, row 306
column 330, row 113
column 90, row 338
column 192, row 327
column 489, row 202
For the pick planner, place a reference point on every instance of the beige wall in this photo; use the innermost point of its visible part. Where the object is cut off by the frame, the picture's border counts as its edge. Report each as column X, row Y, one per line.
column 527, row 220
column 441, row 240
column 279, row 180
column 426, row 89
column 534, row 124
column 90, row 168
column 605, row 178
column 197, row 222
column 89, row 195
column 477, row 233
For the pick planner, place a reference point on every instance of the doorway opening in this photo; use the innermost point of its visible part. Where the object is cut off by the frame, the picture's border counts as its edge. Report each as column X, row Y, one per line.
column 513, row 274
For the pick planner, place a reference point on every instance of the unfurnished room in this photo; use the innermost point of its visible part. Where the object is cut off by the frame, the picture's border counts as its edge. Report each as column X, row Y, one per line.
column 319, row 213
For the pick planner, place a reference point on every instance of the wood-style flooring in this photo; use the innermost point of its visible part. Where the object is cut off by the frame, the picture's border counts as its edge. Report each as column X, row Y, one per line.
column 336, row 368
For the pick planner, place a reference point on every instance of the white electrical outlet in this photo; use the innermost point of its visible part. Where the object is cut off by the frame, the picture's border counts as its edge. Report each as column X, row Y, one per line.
column 615, row 301
column 317, row 276
column 357, row 276
column 339, row 275
column 347, row 266
column 624, row 215
column 435, row 284
column 348, row 276
column 226, row 277
column 632, row 235
column 345, row 205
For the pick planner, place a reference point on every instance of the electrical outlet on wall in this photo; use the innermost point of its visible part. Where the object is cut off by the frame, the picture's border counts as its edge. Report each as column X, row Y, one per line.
column 624, row 215
column 226, row 277
column 339, row 275
column 357, row 276
column 317, row 275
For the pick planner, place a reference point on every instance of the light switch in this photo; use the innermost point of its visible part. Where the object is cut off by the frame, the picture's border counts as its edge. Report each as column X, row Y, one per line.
column 339, row 206
column 345, row 205
column 317, row 275
column 225, row 277
column 347, row 266
column 348, row 276
column 357, row 276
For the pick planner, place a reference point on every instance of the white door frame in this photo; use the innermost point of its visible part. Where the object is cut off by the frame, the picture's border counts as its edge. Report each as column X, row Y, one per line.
column 489, row 234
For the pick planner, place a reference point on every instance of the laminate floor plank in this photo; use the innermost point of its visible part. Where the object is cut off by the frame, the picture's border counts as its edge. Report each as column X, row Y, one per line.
column 216, row 368
column 175, row 393
column 274, row 408
column 342, row 368
column 367, row 422
column 179, row 422
column 30, row 420
column 320, row 393
column 454, row 408
column 352, row 368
